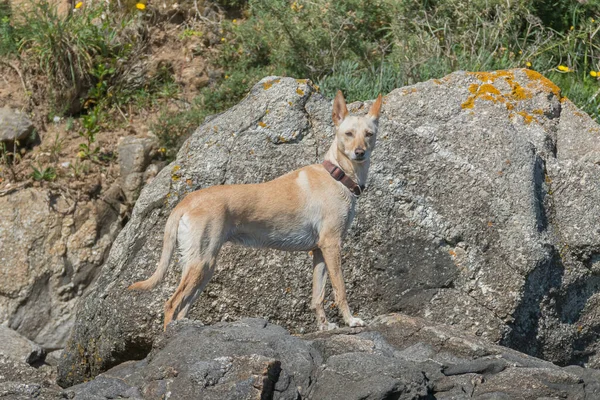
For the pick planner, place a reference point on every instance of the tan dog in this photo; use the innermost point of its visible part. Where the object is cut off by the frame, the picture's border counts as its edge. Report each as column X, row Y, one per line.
column 313, row 210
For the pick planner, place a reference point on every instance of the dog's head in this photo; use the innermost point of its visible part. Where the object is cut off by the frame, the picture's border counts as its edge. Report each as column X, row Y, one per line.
column 355, row 136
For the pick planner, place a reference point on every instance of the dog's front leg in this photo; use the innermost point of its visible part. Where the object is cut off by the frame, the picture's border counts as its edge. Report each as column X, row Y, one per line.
column 318, row 294
column 331, row 253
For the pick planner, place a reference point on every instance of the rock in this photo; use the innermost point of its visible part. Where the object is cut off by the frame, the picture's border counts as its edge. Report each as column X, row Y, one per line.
column 135, row 155
column 20, row 381
column 481, row 212
column 254, row 359
column 50, row 252
column 19, row 348
column 14, row 126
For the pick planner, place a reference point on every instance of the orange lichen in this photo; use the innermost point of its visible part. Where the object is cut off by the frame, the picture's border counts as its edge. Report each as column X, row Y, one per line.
column 300, row 92
column 543, row 82
column 268, row 84
column 409, row 91
column 526, row 117
column 538, row 111
column 262, row 124
column 485, row 91
column 489, row 92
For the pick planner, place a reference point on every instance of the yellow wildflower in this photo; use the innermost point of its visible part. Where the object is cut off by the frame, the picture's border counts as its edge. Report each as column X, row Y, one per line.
column 528, row 64
column 564, row 68
column 223, row 39
column 226, row 76
column 162, row 150
column 594, row 74
column 296, row 7
column 79, row 5
column 593, row 20
column 234, row 21
column 571, row 28
column 140, row 6
column 520, row 51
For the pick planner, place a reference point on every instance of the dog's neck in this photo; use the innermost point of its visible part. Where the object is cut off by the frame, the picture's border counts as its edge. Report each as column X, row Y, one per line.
column 355, row 170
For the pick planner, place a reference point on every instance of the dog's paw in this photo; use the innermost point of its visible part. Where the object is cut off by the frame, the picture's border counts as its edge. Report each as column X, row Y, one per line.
column 354, row 322
column 329, row 326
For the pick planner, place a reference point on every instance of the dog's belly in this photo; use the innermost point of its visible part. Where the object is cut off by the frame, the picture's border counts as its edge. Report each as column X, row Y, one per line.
column 303, row 239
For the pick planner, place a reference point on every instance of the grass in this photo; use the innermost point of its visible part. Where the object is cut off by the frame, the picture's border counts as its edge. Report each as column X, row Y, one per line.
column 368, row 47
column 361, row 47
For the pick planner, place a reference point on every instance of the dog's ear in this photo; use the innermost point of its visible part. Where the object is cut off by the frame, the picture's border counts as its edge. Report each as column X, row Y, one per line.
column 339, row 108
column 375, row 108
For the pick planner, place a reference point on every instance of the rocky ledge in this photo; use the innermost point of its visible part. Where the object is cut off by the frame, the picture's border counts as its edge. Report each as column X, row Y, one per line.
column 482, row 212
column 396, row 357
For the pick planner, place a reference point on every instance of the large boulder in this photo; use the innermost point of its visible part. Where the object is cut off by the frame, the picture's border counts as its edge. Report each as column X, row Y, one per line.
column 482, row 211
column 397, row 357
column 51, row 248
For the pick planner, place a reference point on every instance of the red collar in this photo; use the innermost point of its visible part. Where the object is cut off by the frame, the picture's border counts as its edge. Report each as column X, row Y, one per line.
column 339, row 175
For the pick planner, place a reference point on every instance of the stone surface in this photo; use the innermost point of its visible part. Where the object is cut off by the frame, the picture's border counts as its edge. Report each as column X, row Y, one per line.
column 397, row 357
column 14, row 126
column 135, row 155
column 50, row 251
column 20, row 381
column 18, row 347
column 482, row 212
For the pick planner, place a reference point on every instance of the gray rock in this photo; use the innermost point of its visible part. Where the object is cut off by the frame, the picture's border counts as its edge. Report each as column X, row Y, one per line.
column 482, row 212
column 48, row 258
column 18, row 380
column 252, row 359
column 135, row 155
column 14, row 126
column 18, row 347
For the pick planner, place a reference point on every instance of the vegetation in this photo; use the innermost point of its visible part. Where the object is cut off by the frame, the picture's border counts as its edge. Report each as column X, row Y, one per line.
column 362, row 47
column 366, row 47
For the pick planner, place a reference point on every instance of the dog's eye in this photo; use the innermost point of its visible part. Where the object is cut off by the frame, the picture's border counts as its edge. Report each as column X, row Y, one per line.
column 369, row 133
column 349, row 133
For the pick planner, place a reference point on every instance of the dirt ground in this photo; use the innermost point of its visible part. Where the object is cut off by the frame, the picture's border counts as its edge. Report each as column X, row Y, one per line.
column 58, row 138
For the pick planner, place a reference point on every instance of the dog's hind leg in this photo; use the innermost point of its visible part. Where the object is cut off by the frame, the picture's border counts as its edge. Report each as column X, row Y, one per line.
column 318, row 293
column 198, row 274
column 201, row 240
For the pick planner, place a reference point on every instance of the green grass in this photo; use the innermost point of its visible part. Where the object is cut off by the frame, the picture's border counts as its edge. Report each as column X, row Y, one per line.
column 363, row 47
column 366, row 47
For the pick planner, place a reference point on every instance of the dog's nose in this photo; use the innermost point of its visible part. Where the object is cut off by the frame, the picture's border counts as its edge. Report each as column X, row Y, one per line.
column 359, row 153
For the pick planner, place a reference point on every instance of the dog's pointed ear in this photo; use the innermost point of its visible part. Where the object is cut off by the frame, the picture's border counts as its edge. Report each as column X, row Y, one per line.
column 339, row 108
column 375, row 108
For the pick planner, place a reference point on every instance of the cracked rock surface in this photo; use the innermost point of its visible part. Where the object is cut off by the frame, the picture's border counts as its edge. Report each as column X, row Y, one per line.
column 50, row 251
column 482, row 212
column 397, row 357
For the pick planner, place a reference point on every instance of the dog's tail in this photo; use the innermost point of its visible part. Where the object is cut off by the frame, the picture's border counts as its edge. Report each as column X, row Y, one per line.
column 169, row 242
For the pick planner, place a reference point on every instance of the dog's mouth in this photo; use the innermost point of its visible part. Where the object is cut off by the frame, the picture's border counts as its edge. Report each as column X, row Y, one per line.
column 360, row 159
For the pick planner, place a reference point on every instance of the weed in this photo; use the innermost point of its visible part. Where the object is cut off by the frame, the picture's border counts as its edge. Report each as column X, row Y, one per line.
column 79, row 169
column 47, row 174
column 91, row 127
column 56, row 148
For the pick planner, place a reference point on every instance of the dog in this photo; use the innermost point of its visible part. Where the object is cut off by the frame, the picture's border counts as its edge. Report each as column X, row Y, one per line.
column 309, row 209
